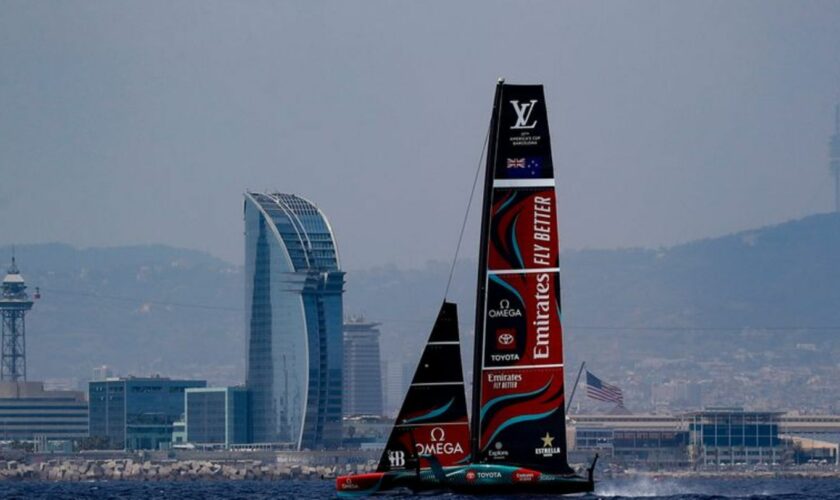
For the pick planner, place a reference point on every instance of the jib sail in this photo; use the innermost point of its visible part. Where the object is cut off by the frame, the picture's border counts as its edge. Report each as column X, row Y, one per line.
column 518, row 399
column 433, row 418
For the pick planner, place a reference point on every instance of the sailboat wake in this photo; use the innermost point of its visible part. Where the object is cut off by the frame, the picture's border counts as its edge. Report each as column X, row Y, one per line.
column 646, row 487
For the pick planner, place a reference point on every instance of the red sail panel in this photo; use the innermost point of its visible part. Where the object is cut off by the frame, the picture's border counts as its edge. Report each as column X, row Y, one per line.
column 522, row 327
column 523, row 230
column 520, row 406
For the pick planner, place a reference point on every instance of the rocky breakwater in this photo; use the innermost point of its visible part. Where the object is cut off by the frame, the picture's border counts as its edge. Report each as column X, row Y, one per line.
column 169, row 470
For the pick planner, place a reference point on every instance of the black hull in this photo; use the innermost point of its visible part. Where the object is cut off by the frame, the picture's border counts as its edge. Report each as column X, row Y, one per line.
column 472, row 479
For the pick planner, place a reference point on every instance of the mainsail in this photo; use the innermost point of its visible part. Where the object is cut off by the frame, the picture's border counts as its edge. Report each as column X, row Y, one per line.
column 518, row 400
column 433, row 418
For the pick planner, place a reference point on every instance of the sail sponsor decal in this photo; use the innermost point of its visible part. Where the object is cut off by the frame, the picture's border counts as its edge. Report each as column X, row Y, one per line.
column 498, row 451
column 360, row 484
column 523, row 147
column 505, row 339
column 523, row 320
column 518, row 408
column 473, row 475
column 548, row 447
column 505, row 310
column 525, row 476
column 396, row 458
column 524, row 111
column 523, row 117
column 523, row 231
column 447, row 442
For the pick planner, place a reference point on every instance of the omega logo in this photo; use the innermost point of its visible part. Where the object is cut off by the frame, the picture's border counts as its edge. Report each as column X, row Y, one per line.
column 504, row 311
column 439, row 445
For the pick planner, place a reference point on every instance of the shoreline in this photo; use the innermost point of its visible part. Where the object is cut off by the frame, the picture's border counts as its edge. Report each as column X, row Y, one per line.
column 129, row 469
column 279, row 468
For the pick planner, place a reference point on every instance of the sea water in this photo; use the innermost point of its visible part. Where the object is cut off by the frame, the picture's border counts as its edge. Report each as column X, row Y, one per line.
column 788, row 489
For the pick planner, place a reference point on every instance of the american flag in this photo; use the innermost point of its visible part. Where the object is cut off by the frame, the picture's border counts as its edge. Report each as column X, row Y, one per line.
column 602, row 391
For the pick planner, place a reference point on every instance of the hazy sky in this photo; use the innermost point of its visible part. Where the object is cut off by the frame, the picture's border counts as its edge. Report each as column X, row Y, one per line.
column 143, row 122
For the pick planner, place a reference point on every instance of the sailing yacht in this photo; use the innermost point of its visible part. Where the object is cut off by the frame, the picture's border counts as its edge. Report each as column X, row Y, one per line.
column 516, row 441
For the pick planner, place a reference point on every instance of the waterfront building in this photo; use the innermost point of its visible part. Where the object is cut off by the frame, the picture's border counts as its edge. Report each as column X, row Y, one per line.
column 293, row 319
column 137, row 413
column 28, row 412
column 362, row 369
column 645, row 440
column 216, row 416
column 706, row 438
column 732, row 436
column 818, row 427
column 655, row 449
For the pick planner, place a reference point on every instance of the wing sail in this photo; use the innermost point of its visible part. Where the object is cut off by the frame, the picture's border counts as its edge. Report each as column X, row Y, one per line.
column 518, row 397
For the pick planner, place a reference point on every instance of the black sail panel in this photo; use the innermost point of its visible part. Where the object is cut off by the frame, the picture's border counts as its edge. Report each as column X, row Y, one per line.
column 519, row 388
column 433, row 417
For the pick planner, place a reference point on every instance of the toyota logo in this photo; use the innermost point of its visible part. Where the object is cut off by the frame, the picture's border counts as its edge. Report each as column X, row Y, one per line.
column 506, row 339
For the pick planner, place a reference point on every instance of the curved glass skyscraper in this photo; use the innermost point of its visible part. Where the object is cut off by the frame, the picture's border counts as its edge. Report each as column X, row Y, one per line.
column 293, row 315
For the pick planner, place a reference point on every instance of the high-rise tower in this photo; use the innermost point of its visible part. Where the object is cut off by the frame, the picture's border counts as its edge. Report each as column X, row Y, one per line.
column 293, row 319
column 834, row 157
column 14, row 303
column 362, row 368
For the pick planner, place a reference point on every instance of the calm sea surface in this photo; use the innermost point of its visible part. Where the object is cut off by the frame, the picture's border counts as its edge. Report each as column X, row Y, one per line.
column 302, row 490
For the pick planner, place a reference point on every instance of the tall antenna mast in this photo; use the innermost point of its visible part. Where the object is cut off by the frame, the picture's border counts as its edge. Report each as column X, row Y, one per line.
column 14, row 304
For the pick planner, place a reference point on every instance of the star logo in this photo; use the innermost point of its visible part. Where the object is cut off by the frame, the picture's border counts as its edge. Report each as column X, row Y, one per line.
column 547, row 440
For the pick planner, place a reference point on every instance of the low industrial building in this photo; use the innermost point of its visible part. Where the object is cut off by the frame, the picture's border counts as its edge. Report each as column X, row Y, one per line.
column 136, row 413
column 734, row 437
column 28, row 412
column 216, row 416
column 644, row 441
column 714, row 437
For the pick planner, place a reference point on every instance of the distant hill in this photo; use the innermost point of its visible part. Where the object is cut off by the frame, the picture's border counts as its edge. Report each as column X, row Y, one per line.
column 126, row 307
column 776, row 276
column 135, row 308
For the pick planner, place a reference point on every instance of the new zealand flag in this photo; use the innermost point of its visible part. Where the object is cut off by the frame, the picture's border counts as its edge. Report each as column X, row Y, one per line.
column 524, row 168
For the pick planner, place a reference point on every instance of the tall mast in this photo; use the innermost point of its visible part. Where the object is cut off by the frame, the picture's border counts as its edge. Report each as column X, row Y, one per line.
column 481, row 289
column 518, row 393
